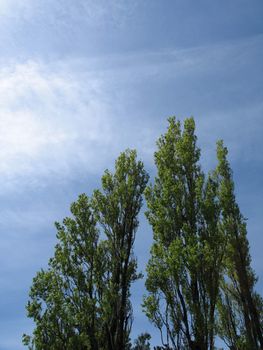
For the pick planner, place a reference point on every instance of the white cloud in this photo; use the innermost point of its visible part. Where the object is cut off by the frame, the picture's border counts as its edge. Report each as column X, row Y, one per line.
column 60, row 118
column 64, row 116
column 47, row 121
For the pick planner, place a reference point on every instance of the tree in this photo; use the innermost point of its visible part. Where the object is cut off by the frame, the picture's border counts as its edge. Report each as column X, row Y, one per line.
column 81, row 301
column 200, row 280
column 118, row 207
column 64, row 299
column 186, row 257
column 240, row 306
column 142, row 342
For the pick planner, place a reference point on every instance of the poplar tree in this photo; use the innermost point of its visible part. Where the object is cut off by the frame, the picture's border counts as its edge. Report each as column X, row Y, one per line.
column 142, row 342
column 240, row 306
column 118, row 206
column 64, row 299
column 185, row 266
column 200, row 282
column 82, row 301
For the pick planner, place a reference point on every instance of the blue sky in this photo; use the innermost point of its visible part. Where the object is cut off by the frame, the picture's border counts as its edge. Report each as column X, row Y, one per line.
column 82, row 80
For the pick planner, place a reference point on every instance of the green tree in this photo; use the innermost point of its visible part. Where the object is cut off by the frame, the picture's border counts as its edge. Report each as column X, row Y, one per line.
column 118, row 206
column 240, row 306
column 64, row 299
column 81, row 302
column 142, row 342
column 186, row 257
column 200, row 280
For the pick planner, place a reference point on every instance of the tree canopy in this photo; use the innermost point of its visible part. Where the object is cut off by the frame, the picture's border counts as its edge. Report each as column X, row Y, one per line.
column 199, row 280
column 82, row 301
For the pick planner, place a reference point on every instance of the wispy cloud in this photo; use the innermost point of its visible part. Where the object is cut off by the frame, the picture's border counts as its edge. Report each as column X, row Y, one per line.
column 48, row 120
column 94, row 13
column 61, row 116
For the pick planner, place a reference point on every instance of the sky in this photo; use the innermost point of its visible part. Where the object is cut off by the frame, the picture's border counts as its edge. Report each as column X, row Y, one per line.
column 80, row 81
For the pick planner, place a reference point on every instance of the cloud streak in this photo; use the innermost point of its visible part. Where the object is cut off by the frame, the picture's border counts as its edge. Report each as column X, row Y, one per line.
column 48, row 120
column 63, row 116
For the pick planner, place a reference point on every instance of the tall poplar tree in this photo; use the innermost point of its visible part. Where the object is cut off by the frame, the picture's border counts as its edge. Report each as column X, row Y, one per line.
column 200, row 282
column 240, row 306
column 65, row 298
column 186, row 257
column 118, row 206
column 82, row 301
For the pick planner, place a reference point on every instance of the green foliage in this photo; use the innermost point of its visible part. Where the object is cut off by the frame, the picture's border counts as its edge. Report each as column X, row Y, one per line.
column 64, row 300
column 199, row 278
column 240, row 307
column 82, row 300
column 185, row 264
column 118, row 206
column 142, row 342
